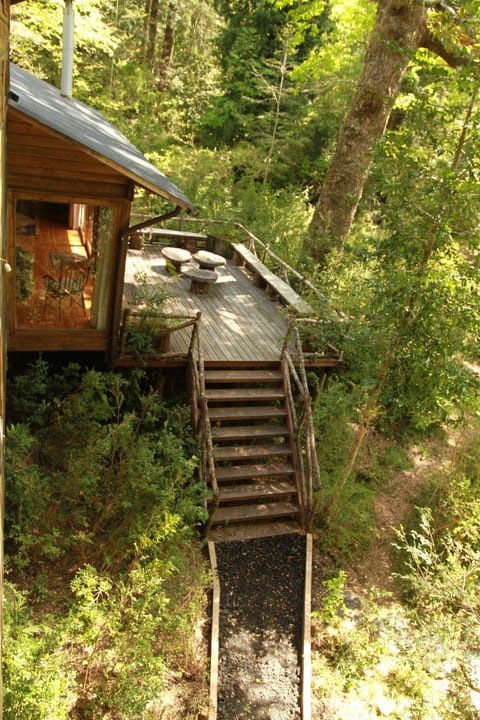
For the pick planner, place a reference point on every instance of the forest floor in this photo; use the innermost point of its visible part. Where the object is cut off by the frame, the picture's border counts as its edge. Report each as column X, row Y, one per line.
column 392, row 505
column 374, row 571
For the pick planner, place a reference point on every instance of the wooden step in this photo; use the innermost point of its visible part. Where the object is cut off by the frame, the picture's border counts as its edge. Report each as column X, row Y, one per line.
column 240, row 394
column 246, row 452
column 251, row 472
column 262, row 511
column 242, row 376
column 247, row 432
column 256, row 491
column 249, row 412
column 249, row 531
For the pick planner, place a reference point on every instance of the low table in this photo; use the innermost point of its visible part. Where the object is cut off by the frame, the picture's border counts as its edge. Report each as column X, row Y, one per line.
column 209, row 260
column 201, row 280
column 177, row 256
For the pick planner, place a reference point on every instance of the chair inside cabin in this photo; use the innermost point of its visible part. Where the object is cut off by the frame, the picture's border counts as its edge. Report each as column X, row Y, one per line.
column 69, row 285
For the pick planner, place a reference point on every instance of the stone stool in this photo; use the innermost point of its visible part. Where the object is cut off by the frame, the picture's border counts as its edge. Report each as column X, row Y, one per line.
column 209, row 260
column 201, row 280
column 177, row 256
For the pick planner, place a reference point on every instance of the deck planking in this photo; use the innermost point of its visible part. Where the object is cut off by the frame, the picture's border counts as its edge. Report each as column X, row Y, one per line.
column 239, row 323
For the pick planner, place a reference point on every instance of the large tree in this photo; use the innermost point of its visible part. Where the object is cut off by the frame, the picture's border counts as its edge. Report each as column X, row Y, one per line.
column 401, row 28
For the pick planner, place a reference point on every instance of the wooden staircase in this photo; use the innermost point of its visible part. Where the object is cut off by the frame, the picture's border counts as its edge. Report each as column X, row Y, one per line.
column 254, row 455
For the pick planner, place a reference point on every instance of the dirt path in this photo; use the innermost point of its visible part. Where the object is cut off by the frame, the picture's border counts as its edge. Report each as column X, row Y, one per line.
column 391, row 507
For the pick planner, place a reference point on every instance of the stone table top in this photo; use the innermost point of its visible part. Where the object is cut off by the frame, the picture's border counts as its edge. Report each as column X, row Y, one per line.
column 209, row 260
column 177, row 256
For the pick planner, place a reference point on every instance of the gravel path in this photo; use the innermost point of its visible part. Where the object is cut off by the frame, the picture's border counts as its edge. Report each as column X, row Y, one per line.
column 261, row 628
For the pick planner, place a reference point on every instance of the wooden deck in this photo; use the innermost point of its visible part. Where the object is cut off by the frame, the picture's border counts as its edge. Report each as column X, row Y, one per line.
column 239, row 323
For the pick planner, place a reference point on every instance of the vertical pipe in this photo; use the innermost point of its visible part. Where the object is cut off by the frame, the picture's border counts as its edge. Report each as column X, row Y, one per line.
column 67, row 50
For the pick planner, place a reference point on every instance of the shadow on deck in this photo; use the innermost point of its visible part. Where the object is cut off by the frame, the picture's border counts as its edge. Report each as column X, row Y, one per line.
column 239, row 322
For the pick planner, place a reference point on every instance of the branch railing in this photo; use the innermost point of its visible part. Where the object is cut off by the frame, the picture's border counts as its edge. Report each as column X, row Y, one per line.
column 159, row 326
column 260, row 249
column 200, row 418
column 300, row 408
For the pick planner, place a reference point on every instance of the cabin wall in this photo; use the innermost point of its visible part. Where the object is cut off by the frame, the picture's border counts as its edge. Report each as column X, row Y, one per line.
column 4, row 36
column 43, row 166
column 42, row 161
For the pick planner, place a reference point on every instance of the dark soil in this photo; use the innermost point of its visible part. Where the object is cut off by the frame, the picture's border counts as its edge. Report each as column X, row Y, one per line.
column 261, row 627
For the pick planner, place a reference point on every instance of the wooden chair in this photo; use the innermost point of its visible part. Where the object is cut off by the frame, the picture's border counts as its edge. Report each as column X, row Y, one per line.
column 69, row 285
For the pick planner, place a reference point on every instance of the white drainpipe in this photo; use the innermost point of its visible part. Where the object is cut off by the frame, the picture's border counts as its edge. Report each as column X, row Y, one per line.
column 67, row 51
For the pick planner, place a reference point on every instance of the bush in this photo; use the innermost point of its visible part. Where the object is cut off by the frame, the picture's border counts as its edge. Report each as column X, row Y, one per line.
column 101, row 492
column 375, row 658
column 102, row 532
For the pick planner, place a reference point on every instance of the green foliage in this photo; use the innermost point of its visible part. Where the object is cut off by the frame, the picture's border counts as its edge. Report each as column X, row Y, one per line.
column 118, row 634
column 146, row 327
column 115, row 513
column 376, row 660
column 441, row 552
column 36, row 39
column 261, row 104
column 420, row 661
column 128, row 469
column 440, row 573
column 38, row 680
column 331, row 68
column 344, row 520
column 226, row 187
column 23, row 273
column 418, row 195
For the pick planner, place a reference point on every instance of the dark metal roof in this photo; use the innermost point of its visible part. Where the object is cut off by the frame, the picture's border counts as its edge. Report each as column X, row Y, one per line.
column 78, row 122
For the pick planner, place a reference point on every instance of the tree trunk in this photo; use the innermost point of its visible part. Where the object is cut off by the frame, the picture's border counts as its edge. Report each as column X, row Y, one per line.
column 151, row 32
column 399, row 30
column 408, row 316
column 167, row 48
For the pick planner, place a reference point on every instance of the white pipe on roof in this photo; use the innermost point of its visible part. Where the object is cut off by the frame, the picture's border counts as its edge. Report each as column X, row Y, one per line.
column 67, row 50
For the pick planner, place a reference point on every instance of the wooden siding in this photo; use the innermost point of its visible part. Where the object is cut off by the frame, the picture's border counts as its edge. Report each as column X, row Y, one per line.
column 37, row 340
column 39, row 160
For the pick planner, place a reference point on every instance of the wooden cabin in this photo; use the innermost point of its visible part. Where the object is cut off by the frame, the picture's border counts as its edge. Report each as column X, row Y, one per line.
column 230, row 320
column 70, row 179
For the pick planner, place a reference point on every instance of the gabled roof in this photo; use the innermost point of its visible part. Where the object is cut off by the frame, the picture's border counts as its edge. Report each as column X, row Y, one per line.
column 80, row 123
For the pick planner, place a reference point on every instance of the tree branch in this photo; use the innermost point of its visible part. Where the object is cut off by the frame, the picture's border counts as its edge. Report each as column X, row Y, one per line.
column 454, row 60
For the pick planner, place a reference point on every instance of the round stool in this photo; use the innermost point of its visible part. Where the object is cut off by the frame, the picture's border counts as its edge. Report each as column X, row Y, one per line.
column 201, row 280
column 209, row 260
column 177, row 256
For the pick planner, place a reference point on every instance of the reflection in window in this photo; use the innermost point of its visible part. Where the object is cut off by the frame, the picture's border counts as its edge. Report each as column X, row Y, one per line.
column 62, row 253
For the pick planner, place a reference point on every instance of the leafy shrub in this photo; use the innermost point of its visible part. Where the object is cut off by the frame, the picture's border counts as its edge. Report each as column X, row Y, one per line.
column 375, row 658
column 38, row 679
column 105, row 489
column 102, row 507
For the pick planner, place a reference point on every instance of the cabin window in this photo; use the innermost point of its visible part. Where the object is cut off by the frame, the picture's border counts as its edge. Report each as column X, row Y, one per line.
column 61, row 257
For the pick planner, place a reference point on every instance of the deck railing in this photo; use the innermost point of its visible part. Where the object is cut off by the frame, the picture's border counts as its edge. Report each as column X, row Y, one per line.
column 156, row 328
column 200, row 418
column 235, row 232
column 300, row 407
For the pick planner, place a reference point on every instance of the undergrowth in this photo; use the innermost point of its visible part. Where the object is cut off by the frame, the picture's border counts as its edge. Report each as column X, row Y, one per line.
column 414, row 656
column 106, row 579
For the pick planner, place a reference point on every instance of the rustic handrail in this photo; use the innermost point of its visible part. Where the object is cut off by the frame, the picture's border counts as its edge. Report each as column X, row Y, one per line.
column 298, row 457
column 201, row 419
column 301, row 410
column 184, row 321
